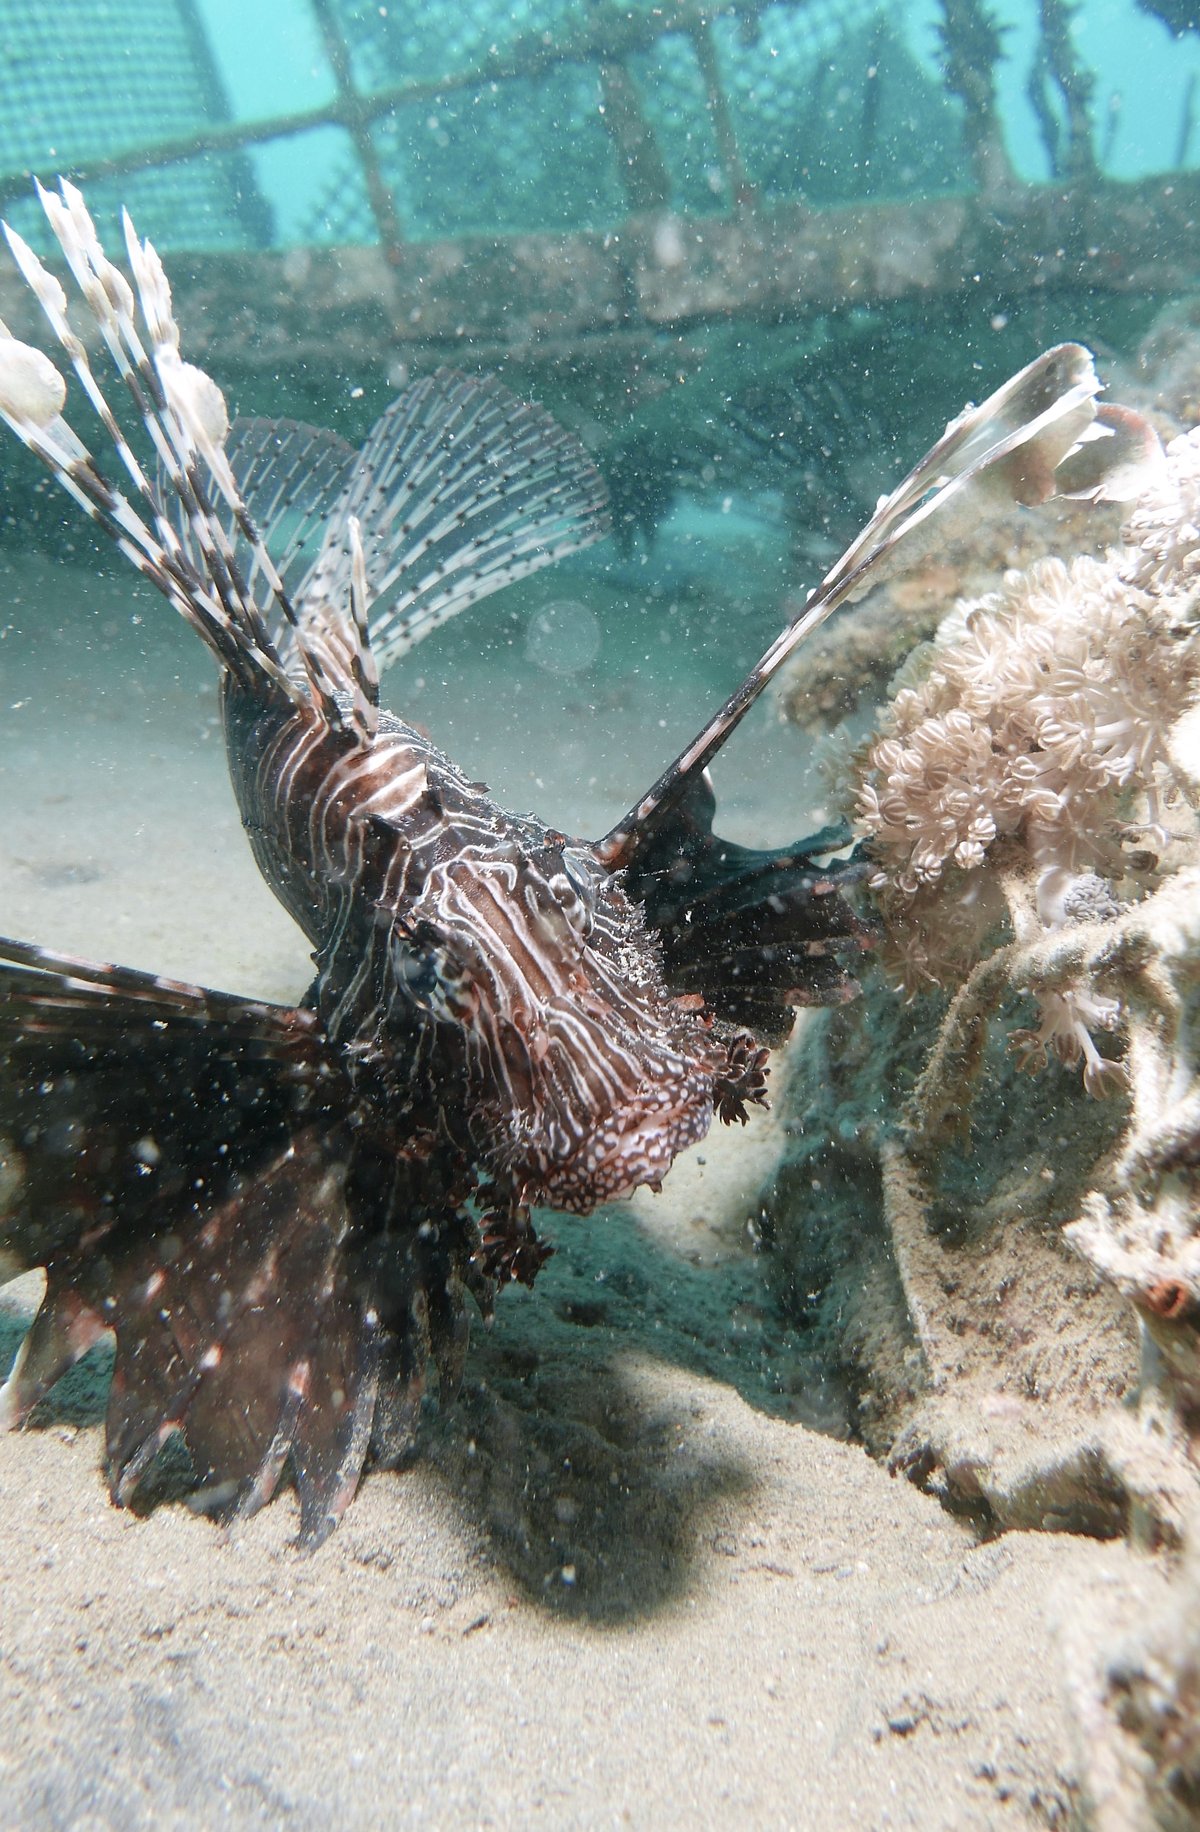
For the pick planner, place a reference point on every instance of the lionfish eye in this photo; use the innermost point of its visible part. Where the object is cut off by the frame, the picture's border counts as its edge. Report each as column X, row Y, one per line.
column 414, row 969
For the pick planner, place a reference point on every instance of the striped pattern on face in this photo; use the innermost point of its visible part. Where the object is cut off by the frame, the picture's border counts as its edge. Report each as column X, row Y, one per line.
column 493, row 974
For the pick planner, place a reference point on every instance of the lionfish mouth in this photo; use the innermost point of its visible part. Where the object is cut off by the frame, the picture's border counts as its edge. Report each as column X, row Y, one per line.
column 634, row 1148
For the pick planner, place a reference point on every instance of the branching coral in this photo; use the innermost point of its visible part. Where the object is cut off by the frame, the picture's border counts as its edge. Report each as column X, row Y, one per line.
column 1020, row 744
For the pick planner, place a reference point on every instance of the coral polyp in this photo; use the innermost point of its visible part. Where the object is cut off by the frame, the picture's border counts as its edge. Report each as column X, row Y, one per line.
column 1025, row 767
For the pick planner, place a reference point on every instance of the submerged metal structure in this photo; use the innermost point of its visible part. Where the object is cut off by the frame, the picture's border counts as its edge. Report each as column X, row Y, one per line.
column 542, row 180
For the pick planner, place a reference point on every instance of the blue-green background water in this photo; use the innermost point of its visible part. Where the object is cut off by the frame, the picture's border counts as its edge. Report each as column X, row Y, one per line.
column 830, row 98
column 271, row 61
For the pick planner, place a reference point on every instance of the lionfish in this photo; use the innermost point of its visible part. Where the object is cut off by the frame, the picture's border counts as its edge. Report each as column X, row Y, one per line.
column 284, row 1213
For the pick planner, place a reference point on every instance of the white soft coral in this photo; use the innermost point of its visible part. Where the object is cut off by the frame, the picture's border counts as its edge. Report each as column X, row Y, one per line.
column 933, row 797
column 1040, row 703
column 1034, row 717
column 1165, row 526
column 1068, row 1017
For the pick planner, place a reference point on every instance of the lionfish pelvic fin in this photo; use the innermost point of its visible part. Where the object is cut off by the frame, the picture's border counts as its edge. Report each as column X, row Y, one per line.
column 179, row 1162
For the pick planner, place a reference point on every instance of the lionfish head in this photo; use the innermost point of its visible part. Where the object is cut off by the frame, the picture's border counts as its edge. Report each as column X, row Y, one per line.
column 585, row 1076
column 634, row 1140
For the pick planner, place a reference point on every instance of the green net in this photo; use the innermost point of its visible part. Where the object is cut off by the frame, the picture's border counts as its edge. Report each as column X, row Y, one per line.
column 82, row 81
column 486, row 117
column 545, row 152
column 433, row 119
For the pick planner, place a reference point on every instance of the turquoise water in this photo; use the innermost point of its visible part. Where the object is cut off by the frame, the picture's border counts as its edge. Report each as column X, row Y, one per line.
column 272, row 62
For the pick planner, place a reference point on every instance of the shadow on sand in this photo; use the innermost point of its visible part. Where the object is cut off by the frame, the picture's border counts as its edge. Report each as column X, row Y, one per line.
column 577, row 1452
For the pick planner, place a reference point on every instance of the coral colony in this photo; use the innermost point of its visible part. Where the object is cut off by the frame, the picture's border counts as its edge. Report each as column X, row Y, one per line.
column 1020, row 745
column 1029, row 800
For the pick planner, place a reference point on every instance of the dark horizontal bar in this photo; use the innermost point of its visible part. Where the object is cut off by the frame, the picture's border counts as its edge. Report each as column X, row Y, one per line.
column 346, row 309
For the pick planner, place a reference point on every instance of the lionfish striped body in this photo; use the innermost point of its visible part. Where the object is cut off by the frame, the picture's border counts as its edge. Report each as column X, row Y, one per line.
column 280, row 1212
column 480, row 969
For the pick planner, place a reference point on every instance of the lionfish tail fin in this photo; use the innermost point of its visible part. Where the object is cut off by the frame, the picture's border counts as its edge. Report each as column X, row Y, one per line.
column 174, row 514
column 1041, row 434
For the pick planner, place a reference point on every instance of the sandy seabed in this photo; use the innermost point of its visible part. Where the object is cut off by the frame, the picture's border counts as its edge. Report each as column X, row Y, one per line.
column 630, row 1582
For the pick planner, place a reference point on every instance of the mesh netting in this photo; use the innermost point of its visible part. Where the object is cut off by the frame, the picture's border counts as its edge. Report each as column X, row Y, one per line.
column 808, row 91
column 535, row 153
column 82, row 82
column 830, row 105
